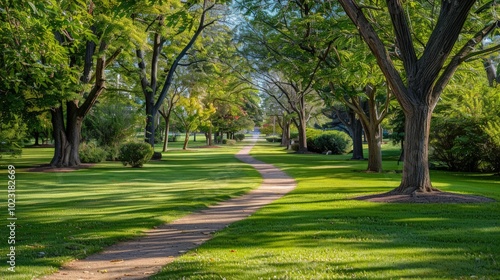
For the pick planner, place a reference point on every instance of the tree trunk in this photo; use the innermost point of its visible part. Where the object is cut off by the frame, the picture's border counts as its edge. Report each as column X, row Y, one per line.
column 302, row 136
column 66, row 138
column 416, row 177
column 36, row 134
column 210, row 138
column 167, row 132
column 491, row 71
column 149, row 134
column 374, row 136
column 285, row 137
column 357, row 137
column 186, row 140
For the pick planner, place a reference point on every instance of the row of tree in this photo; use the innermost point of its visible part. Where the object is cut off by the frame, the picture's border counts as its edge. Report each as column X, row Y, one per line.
column 171, row 56
column 182, row 58
column 364, row 59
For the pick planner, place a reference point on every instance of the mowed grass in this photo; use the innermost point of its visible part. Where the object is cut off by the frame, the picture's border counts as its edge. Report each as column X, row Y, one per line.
column 319, row 232
column 63, row 216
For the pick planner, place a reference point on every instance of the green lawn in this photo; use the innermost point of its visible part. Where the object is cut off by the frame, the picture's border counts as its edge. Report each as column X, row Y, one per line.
column 62, row 216
column 319, row 232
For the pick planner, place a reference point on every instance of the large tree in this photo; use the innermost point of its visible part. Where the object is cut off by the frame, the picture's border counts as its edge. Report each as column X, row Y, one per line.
column 174, row 29
column 427, row 70
column 90, row 51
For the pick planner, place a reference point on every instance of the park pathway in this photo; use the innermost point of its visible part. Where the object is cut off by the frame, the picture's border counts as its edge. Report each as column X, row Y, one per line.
column 145, row 256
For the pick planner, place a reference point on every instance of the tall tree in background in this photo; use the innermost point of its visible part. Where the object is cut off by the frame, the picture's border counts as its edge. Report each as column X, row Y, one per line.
column 174, row 24
column 427, row 71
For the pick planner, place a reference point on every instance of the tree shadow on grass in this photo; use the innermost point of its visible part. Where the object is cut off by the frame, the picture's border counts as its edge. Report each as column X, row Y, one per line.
column 342, row 239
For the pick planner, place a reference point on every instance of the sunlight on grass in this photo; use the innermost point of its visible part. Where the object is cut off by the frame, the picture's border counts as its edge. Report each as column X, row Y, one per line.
column 62, row 216
column 318, row 232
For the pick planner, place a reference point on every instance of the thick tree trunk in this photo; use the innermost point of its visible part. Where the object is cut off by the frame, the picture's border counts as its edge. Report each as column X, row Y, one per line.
column 186, row 140
column 66, row 137
column 37, row 137
column 59, row 135
column 302, row 136
column 285, row 137
column 357, row 137
column 416, row 177
column 374, row 135
column 149, row 135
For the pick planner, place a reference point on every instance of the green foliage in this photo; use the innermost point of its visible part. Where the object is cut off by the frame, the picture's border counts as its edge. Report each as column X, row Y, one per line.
column 135, row 154
column 91, row 153
column 112, row 153
column 465, row 130
column 110, row 124
column 323, row 141
column 268, row 129
column 229, row 142
column 239, row 137
column 273, row 139
column 458, row 143
column 12, row 134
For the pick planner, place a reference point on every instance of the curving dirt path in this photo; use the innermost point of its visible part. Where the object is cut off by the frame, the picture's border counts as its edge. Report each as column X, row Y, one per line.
column 145, row 256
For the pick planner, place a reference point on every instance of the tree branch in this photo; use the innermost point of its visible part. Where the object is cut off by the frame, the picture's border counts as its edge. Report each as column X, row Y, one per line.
column 464, row 53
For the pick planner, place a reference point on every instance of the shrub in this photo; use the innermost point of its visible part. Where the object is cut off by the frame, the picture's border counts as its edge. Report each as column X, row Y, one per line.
column 239, row 137
column 135, row 154
column 332, row 142
column 112, row 153
column 335, row 141
column 91, row 153
column 229, row 142
column 109, row 123
column 294, row 135
column 273, row 139
column 459, row 144
column 492, row 156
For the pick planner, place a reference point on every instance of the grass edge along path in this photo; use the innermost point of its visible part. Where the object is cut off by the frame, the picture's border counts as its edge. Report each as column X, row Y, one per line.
column 138, row 259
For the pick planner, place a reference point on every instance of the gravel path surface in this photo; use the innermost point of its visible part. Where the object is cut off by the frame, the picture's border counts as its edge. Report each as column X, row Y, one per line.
column 145, row 256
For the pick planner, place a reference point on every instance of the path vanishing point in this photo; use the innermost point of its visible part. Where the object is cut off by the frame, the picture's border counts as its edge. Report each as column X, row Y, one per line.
column 145, row 256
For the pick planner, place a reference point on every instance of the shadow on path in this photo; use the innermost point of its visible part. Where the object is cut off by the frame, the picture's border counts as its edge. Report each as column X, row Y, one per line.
column 145, row 256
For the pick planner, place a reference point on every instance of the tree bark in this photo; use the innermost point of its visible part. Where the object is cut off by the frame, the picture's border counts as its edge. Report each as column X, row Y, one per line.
column 166, row 116
column 491, row 71
column 426, row 76
column 66, row 136
column 209, row 137
column 374, row 137
column 302, row 135
column 416, row 176
column 357, row 137
column 167, row 132
column 186, row 140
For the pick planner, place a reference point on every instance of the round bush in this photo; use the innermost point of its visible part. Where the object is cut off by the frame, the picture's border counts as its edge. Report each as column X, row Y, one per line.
column 239, row 137
column 135, row 154
column 331, row 142
column 91, row 153
column 335, row 141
